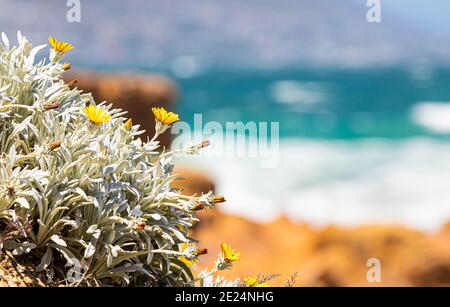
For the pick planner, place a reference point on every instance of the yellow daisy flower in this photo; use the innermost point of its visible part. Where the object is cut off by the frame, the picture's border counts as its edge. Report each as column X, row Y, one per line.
column 60, row 46
column 128, row 124
column 252, row 281
column 229, row 254
column 96, row 115
column 165, row 117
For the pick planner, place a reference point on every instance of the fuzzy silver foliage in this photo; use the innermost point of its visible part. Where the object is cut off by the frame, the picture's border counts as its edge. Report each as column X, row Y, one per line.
column 97, row 210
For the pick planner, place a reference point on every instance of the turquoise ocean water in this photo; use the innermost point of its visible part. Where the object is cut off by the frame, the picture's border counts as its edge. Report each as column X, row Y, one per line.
column 319, row 104
column 356, row 146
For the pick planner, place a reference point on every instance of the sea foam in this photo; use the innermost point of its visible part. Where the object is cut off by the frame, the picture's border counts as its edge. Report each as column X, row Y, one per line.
column 341, row 182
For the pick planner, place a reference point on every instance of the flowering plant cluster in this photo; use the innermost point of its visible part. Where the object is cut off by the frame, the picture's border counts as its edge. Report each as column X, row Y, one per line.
column 81, row 194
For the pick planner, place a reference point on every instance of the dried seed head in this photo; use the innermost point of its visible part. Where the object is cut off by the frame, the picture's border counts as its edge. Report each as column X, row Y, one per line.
column 11, row 191
column 202, row 251
column 205, row 143
column 67, row 66
column 54, row 145
column 51, row 105
column 141, row 226
column 218, row 199
column 198, row 207
column 72, row 83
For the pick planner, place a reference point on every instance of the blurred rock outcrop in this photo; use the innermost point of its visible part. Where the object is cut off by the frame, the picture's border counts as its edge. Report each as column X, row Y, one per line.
column 135, row 93
column 192, row 181
column 330, row 256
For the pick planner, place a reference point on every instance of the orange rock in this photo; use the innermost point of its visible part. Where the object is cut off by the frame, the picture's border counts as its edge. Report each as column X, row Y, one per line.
column 330, row 256
column 192, row 181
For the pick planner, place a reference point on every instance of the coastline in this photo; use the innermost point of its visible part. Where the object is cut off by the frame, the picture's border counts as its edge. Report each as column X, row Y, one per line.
column 330, row 255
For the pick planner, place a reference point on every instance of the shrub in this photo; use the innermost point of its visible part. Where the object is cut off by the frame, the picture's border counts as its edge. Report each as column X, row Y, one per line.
column 80, row 193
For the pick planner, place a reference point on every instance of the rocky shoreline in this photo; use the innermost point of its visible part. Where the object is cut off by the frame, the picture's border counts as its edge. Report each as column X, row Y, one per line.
column 330, row 256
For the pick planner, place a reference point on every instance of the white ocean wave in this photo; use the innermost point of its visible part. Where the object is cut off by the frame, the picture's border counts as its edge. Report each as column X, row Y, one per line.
column 341, row 182
column 435, row 116
column 296, row 92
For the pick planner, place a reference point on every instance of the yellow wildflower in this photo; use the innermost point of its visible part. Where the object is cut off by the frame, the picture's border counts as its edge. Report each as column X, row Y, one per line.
column 60, row 46
column 229, row 254
column 96, row 115
column 252, row 281
column 165, row 117
column 128, row 124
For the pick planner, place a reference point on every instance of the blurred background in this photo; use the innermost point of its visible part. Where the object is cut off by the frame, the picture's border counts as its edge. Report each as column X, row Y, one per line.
column 363, row 108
